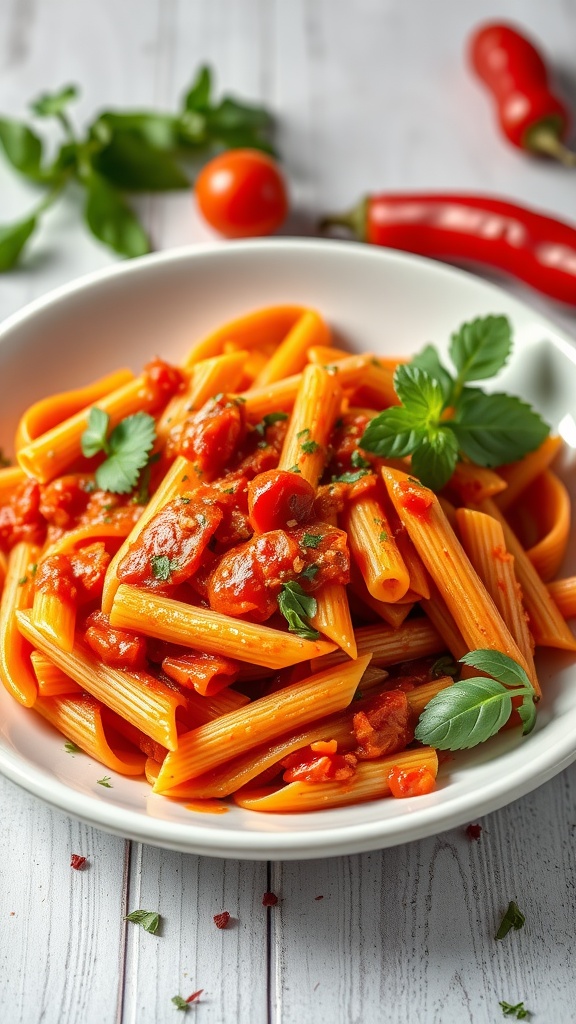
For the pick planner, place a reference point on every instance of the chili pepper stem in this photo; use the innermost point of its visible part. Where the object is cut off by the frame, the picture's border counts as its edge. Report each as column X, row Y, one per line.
column 355, row 220
column 545, row 140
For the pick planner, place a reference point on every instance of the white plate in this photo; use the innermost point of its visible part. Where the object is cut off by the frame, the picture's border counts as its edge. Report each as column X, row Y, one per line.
column 379, row 301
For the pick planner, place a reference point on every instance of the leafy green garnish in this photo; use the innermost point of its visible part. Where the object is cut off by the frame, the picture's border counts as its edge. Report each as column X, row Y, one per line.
column 472, row 710
column 269, row 420
column 349, row 478
column 127, row 448
column 298, row 608
column 309, row 447
column 311, row 540
column 310, row 571
column 71, row 748
column 518, row 1010
column 163, row 567
column 358, row 460
column 441, row 419
column 149, row 919
column 120, row 152
column 513, row 919
column 105, row 781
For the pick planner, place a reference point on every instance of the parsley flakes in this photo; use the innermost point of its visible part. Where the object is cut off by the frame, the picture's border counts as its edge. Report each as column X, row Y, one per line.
column 162, row 567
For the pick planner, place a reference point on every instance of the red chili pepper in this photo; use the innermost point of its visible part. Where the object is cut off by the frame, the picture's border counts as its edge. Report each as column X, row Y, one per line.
column 530, row 115
column 530, row 246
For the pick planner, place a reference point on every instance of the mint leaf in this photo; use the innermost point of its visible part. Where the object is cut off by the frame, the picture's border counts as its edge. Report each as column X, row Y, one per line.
column 22, row 148
column 93, row 439
column 429, row 360
column 112, row 221
column 513, row 918
column 128, row 448
column 467, row 713
column 297, row 608
column 435, row 458
column 52, row 104
column 419, row 393
column 149, row 919
column 394, row 433
column 13, row 238
column 479, row 349
column 495, row 429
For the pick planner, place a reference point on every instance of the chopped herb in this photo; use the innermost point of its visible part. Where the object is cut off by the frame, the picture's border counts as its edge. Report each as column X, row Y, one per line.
column 471, row 711
column 89, row 486
column 358, row 695
column 383, row 537
column 33, row 568
column 217, row 397
column 297, row 608
column 240, row 400
column 71, row 748
column 331, row 370
column 222, row 920
column 349, row 478
column 162, row 567
column 311, row 540
column 445, row 666
column 109, row 506
column 303, row 433
column 228, row 490
column 105, row 781
column 149, row 919
column 107, row 519
column 295, row 469
column 180, row 1003
column 376, row 362
column 310, row 572
column 184, row 478
column 126, row 448
column 309, row 447
column 358, row 460
column 513, row 919
column 22, row 581
column 77, row 862
column 185, row 501
column 269, row 420
column 519, row 1011
column 262, row 444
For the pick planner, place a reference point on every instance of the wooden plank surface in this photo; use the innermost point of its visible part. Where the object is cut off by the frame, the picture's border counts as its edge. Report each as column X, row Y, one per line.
column 373, row 95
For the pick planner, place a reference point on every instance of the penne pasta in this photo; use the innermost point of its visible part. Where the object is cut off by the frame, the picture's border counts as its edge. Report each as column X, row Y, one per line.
column 563, row 593
column 79, row 718
column 208, row 378
column 519, row 475
column 55, row 617
column 15, row 667
column 281, row 395
column 52, row 681
column 290, row 356
column 374, row 549
column 316, row 407
column 263, row 327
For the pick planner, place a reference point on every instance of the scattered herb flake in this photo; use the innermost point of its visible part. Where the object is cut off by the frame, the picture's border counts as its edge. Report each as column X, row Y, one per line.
column 295, row 469
column 309, row 447
column 358, row 460
column 71, row 748
column 518, row 1011
column 513, row 919
column 269, row 420
column 303, row 433
column 311, row 540
column 22, row 581
column 105, row 781
column 298, row 608
column 349, row 478
column 180, row 1003
column 310, row 571
column 162, row 567
column 148, row 919
column 383, row 537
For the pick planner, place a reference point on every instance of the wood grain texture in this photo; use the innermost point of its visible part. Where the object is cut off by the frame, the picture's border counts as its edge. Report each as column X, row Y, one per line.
column 374, row 95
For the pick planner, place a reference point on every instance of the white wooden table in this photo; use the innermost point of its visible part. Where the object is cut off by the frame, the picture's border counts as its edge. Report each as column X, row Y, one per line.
column 373, row 94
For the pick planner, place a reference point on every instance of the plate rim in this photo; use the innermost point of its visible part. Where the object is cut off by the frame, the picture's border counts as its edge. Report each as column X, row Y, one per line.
column 336, row 840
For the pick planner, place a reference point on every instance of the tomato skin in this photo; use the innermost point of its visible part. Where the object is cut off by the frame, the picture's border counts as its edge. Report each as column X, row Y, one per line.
column 242, row 194
column 277, row 499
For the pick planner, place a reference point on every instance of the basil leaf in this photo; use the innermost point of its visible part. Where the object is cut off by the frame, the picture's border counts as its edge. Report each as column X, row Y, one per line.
column 112, row 221
column 22, row 148
column 130, row 162
column 232, row 115
column 199, row 93
column 394, row 433
column 498, row 665
column 466, row 713
column 527, row 713
column 429, row 360
column 513, row 918
column 297, row 607
column 13, row 238
column 53, row 104
column 149, row 919
column 160, row 131
column 494, row 429
column 435, row 458
column 479, row 349
column 419, row 393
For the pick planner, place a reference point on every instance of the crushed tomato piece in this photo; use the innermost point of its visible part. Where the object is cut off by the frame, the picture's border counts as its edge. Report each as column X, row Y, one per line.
column 269, row 899
column 211, row 436
column 383, row 727
column 77, row 862
column 473, row 831
column 194, row 996
column 306, row 765
column 222, row 920
column 163, row 380
column 411, row 781
column 180, row 532
column 21, row 519
column 118, row 648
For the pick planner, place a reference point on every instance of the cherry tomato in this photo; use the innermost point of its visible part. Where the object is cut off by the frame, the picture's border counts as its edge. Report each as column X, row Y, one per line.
column 277, row 499
column 242, row 194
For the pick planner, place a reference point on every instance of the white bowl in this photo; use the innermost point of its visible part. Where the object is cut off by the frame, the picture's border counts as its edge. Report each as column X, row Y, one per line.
column 375, row 300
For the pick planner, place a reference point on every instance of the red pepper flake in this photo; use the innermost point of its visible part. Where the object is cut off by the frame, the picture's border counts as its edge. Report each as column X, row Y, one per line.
column 318, row 897
column 269, row 899
column 473, row 831
column 77, row 862
column 194, row 996
column 221, row 920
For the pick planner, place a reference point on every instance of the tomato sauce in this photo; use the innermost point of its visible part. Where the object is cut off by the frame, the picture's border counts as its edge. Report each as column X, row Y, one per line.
column 313, row 765
column 170, row 548
column 210, row 437
column 118, row 648
column 383, row 727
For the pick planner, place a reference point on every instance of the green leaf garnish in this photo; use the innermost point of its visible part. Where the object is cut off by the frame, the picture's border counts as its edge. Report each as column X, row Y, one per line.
column 71, row 748
column 149, row 919
column 358, row 460
column 22, row 148
column 13, row 238
column 441, row 419
column 53, row 104
column 163, row 567
column 298, row 608
column 127, row 448
column 472, row 710
column 105, row 781
column 518, row 1010
column 111, row 220
column 269, row 420
column 310, row 571
column 349, row 478
column 513, row 919
column 309, row 447
column 311, row 540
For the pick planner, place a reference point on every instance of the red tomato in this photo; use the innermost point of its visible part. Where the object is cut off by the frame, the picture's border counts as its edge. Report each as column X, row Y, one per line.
column 242, row 194
column 411, row 781
column 277, row 499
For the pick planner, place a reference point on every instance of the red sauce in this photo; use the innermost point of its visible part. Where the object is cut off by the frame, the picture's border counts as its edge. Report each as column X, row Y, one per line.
column 163, row 380
column 179, row 533
column 417, row 503
column 118, row 648
column 383, row 726
column 76, row 577
column 21, row 519
column 312, row 765
column 247, row 579
column 326, row 547
column 210, row 437
column 345, row 440
column 411, row 781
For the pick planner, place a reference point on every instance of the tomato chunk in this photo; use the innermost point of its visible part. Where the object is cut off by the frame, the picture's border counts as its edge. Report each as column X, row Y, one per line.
column 411, row 781
column 118, row 648
column 211, row 436
column 21, row 519
column 247, row 579
column 310, row 765
column 76, row 577
column 325, row 547
column 277, row 499
column 170, row 548
column 384, row 726
column 163, row 380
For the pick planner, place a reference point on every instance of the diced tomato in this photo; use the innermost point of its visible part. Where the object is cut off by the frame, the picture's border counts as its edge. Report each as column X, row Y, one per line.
column 54, row 576
column 330, row 500
column 63, row 501
column 259, row 454
column 383, row 727
column 326, row 547
column 163, row 380
column 206, row 673
column 309, row 765
column 118, row 648
column 211, row 436
column 89, row 567
column 278, row 499
column 180, row 533
column 21, row 519
column 411, row 781
column 417, row 500
column 247, row 579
